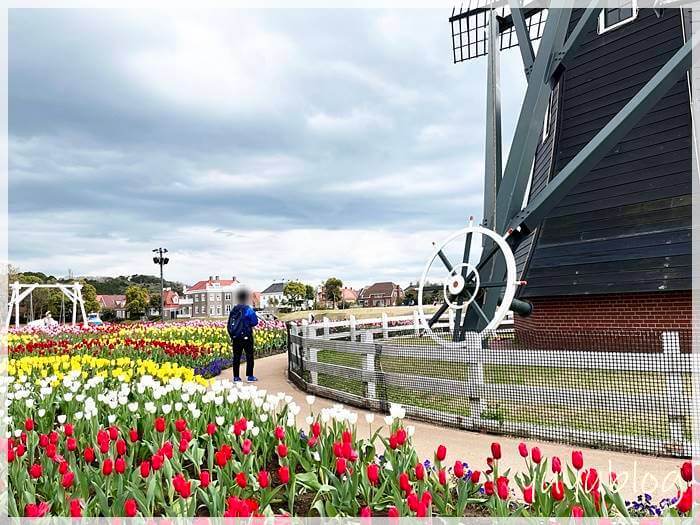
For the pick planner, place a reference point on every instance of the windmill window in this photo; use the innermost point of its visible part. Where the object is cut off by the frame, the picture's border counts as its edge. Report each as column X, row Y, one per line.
column 615, row 17
column 547, row 118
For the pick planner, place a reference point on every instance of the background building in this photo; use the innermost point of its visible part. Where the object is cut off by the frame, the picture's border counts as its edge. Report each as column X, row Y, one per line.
column 213, row 297
column 114, row 303
column 380, row 294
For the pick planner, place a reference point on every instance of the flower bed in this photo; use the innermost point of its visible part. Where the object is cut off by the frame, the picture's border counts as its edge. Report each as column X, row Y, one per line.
column 128, row 437
column 201, row 345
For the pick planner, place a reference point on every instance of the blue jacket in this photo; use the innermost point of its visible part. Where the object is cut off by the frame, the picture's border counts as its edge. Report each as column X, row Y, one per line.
column 249, row 316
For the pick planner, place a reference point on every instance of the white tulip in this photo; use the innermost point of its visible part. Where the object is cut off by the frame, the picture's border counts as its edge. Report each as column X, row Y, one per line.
column 255, row 431
column 111, row 418
column 369, row 417
column 316, row 456
column 263, row 418
column 196, row 413
column 220, row 420
column 78, row 415
column 178, row 406
column 410, row 430
column 309, row 420
column 29, row 403
column 42, row 412
column 166, row 409
column 61, row 419
column 388, row 420
column 310, row 400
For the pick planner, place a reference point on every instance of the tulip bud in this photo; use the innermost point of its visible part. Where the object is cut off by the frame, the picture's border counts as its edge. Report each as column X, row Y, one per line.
column 522, row 449
column 536, row 455
column 528, row 495
column 204, row 479
column 283, row 473
column 441, row 453
column 341, row 466
column 556, row 465
column 475, row 476
column 282, row 450
column 420, row 471
column 160, row 424
column 496, row 450
column 263, row 479
column 459, row 469
column 107, row 467
column 365, row 512
column 577, row 511
column 145, row 468
column 120, row 465
column 687, row 472
column 442, row 477
column 577, row 459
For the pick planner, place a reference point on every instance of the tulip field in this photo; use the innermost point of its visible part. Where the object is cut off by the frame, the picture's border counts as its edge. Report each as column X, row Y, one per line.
column 124, row 421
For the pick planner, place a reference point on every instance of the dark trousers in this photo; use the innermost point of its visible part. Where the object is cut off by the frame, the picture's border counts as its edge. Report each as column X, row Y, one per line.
column 240, row 345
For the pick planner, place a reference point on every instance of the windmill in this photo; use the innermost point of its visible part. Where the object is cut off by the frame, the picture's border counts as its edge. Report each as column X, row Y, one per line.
column 481, row 282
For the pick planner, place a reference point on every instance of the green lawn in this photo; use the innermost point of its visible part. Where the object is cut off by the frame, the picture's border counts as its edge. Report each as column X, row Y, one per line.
column 554, row 413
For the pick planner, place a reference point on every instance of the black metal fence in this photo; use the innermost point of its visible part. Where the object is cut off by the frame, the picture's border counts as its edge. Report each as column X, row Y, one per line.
column 627, row 390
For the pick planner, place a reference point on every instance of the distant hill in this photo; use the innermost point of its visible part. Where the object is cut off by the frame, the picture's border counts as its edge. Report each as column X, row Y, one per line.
column 109, row 285
column 118, row 285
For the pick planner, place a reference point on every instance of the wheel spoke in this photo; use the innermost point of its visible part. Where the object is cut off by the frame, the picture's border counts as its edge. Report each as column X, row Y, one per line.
column 436, row 316
column 460, row 298
column 445, row 261
column 480, row 311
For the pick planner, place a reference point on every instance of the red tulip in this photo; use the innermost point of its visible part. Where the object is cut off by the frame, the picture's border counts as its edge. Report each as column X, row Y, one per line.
column 687, row 471
column 89, row 455
column 536, row 455
column 685, row 502
column 104, row 446
column 459, row 469
column 577, row 511
column 496, row 450
column 43, row 441
column 393, row 512
column 365, row 512
column 488, row 488
column 204, row 479
column 37, row 510
column 522, row 449
column 279, row 433
column 241, row 480
column 113, row 433
column 393, row 442
column 157, row 461
column 338, row 450
column 283, row 473
column 502, row 487
column 53, row 437
column 577, row 459
column 68, row 429
column 263, row 479
column 420, row 471
column 347, row 436
column 130, row 508
column 401, row 436
column 556, row 465
column 35, row 471
column 373, row 473
column 427, row 498
column 312, row 441
column 589, row 480
column 184, row 444
column 29, row 424
column 145, row 468
column 316, row 429
column 220, row 458
column 160, row 424
column 107, row 467
column 120, row 465
column 63, row 467
column 76, row 509
column 21, row 449
column 421, row 510
column 475, row 476
column 442, row 477
column 71, row 444
column 412, row 501
column 167, row 449
column 180, row 425
column 67, row 479
column 441, row 453
column 282, row 450
column 121, row 447
column 404, row 483
column 528, row 495
column 10, row 455
column 558, row 490
column 133, row 435
column 211, row 429
column 341, row 466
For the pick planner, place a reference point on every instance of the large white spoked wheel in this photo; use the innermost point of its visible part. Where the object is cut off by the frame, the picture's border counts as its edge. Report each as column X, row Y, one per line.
column 459, row 285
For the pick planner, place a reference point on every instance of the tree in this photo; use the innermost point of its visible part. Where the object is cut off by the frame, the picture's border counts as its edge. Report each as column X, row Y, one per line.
column 333, row 288
column 137, row 300
column 309, row 293
column 90, row 298
column 294, row 291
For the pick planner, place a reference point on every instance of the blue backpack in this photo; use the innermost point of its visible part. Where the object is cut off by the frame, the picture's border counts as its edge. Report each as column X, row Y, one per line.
column 237, row 323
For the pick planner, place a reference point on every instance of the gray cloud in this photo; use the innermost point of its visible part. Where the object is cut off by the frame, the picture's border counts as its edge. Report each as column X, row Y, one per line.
column 225, row 131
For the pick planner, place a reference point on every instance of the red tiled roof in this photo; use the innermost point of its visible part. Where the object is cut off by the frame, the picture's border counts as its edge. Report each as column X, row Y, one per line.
column 202, row 285
column 349, row 294
column 384, row 289
column 168, row 298
column 112, row 302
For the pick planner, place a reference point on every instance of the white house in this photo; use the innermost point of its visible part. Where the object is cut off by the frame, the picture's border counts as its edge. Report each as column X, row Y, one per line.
column 272, row 295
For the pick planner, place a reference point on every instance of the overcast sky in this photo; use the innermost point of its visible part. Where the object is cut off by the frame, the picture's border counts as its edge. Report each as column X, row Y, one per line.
column 265, row 144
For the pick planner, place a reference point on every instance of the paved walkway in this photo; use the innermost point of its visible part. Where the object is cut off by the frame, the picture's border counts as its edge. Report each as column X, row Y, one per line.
column 636, row 473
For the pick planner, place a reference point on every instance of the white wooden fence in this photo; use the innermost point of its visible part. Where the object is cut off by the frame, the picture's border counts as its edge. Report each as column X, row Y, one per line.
column 371, row 339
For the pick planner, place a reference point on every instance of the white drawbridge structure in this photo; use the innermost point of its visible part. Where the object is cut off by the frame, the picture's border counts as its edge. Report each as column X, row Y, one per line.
column 21, row 291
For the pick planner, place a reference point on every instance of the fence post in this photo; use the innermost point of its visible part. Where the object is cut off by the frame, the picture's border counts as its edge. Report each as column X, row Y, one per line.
column 292, row 363
column 368, row 365
column 353, row 328
column 674, row 391
column 416, row 323
column 385, row 326
column 451, row 319
column 313, row 352
column 477, row 405
column 326, row 328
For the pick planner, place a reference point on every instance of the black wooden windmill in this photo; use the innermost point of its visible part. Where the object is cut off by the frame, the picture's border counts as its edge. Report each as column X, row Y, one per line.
column 481, row 266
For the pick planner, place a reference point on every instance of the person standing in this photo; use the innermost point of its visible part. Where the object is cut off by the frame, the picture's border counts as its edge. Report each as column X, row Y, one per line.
column 241, row 322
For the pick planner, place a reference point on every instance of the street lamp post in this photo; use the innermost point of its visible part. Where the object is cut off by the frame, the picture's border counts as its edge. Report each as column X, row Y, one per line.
column 160, row 260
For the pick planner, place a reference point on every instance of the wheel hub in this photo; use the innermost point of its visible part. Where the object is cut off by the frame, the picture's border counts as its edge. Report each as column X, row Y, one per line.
column 454, row 286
